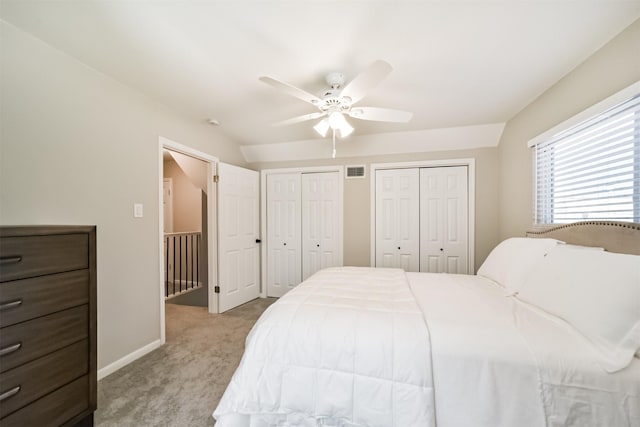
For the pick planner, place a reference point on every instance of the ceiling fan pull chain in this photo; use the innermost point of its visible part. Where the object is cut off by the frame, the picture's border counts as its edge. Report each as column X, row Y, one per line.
column 334, row 143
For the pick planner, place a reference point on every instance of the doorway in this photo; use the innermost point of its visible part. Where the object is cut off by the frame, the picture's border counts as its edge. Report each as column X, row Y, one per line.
column 185, row 240
column 206, row 212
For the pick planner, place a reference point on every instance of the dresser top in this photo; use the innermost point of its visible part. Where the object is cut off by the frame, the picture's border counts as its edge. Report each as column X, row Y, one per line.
column 39, row 230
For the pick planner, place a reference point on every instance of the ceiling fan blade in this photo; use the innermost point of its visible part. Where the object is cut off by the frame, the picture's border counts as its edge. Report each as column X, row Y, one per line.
column 299, row 119
column 291, row 90
column 358, row 87
column 380, row 114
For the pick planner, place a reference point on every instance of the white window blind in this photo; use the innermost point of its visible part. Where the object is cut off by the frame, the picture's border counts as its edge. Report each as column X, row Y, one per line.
column 591, row 171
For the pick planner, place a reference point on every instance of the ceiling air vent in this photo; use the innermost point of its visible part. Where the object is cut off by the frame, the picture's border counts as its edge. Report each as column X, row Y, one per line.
column 355, row 172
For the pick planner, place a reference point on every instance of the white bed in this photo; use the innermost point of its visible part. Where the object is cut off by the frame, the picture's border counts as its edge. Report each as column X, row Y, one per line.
column 380, row 347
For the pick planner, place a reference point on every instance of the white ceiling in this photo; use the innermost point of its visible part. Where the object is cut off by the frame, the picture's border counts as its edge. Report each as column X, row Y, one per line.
column 456, row 63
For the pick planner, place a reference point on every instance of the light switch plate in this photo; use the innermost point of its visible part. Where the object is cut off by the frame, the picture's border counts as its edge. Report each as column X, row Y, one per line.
column 137, row 210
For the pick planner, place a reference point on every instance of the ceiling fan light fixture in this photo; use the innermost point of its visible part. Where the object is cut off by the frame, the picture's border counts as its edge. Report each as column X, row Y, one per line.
column 336, row 120
column 346, row 129
column 322, row 127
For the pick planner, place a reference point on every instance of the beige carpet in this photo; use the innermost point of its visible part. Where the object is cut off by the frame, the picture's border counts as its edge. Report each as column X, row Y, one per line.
column 180, row 383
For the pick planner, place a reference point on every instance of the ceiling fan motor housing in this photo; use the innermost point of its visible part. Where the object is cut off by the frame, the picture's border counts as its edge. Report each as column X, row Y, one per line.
column 331, row 99
column 335, row 103
column 335, row 80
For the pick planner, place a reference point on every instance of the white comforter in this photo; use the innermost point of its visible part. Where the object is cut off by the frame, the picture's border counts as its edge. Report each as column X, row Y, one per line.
column 351, row 347
column 498, row 362
column 348, row 347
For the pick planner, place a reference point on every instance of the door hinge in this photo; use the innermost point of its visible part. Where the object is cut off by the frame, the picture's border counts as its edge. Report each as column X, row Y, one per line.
column 216, row 178
column 216, row 289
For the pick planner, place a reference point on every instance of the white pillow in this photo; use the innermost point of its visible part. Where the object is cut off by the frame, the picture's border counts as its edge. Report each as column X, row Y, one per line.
column 511, row 261
column 597, row 292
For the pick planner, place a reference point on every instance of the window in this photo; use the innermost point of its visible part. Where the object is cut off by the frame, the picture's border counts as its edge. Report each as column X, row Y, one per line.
column 590, row 171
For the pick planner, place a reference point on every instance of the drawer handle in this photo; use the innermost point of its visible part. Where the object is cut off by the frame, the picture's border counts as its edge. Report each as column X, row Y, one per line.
column 10, row 349
column 7, row 394
column 10, row 304
column 10, row 260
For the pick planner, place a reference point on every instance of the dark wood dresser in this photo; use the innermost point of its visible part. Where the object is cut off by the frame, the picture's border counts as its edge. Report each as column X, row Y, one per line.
column 48, row 359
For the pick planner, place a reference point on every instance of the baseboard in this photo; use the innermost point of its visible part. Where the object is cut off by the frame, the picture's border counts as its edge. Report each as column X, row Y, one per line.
column 120, row 363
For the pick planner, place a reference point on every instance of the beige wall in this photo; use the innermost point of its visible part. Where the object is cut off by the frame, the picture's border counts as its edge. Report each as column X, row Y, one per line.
column 610, row 69
column 63, row 128
column 187, row 199
column 357, row 194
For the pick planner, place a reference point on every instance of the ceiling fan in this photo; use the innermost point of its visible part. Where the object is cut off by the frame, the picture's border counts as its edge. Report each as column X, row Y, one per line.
column 339, row 101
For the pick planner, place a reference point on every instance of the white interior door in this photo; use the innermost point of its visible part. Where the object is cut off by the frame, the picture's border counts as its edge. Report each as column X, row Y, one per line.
column 444, row 233
column 321, row 222
column 397, row 218
column 284, row 259
column 238, row 229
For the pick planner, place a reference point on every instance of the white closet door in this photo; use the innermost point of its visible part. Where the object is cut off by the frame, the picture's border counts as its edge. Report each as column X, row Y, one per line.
column 397, row 218
column 238, row 229
column 284, row 261
column 321, row 219
column 444, row 220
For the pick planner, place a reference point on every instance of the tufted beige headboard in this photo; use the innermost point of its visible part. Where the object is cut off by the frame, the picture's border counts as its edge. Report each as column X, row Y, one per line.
column 621, row 237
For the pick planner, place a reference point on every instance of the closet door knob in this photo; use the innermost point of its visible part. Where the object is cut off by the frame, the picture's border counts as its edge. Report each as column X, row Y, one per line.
column 285, row 244
column 441, row 250
column 398, row 247
column 318, row 246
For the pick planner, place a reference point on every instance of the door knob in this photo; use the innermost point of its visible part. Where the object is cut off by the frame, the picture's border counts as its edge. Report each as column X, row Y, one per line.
column 441, row 250
column 258, row 240
column 318, row 246
column 285, row 244
column 398, row 247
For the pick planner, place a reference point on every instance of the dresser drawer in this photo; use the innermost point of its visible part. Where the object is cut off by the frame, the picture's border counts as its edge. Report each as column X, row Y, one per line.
column 54, row 409
column 30, row 256
column 26, row 299
column 28, row 382
column 27, row 341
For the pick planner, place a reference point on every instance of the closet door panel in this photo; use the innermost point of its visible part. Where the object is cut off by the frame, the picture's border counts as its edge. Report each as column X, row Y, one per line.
column 444, row 219
column 397, row 218
column 453, row 264
column 431, row 220
column 433, row 263
column 456, row 238
column 321, row 218
column 283, row 233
